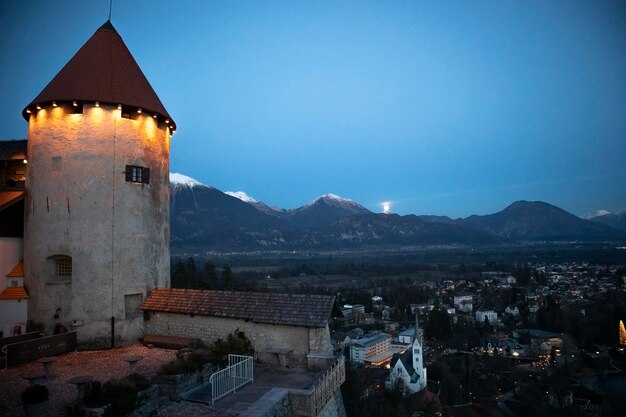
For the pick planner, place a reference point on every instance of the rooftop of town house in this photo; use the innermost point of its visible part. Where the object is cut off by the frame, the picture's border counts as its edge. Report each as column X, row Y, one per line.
column 8, row 198
column 14, row 293
column 17, row 271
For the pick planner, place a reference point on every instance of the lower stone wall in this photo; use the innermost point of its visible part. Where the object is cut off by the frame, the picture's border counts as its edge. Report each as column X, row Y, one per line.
column 335, row 407
column 275, row 403
column 264, row 337
column 281, row 402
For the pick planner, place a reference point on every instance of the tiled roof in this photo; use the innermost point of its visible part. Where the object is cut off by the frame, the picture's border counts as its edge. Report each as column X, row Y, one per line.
column 12, row 149
column 406, row 358
column 103, row 70
column 9, row 197
column 372, row 339
column 14, row 293
column 287, row 309
column 18, row 271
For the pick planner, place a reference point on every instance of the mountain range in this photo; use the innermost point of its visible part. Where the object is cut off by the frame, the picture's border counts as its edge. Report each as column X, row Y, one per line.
column 204, row 218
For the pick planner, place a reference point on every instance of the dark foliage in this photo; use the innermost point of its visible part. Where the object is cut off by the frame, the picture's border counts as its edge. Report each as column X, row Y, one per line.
column 35, row 394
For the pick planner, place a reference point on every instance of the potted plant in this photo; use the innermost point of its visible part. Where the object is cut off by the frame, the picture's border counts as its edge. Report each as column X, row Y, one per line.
column 35, row 400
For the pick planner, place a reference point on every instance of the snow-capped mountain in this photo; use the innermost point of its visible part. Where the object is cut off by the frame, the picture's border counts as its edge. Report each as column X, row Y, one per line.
column 242, row 196
column 324, row 211
column 616, row 220
column 259, row 205
column 205, row 218
column 177, row 179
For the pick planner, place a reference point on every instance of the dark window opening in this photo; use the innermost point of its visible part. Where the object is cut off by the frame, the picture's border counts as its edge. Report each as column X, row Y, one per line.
column 126, row 112
column 78, row 108
column 137, row 174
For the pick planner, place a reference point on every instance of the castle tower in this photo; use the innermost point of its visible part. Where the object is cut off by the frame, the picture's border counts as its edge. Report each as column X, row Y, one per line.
column 96, row 238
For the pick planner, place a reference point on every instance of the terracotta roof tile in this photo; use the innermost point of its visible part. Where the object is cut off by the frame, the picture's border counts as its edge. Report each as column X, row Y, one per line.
column 102, row 70
column 18, row 271
column 14, row 293
column 8, row 198
column 287, row 309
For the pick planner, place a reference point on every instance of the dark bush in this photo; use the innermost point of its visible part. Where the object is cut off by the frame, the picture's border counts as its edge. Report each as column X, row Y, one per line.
column 35, row 394
column 119, row 394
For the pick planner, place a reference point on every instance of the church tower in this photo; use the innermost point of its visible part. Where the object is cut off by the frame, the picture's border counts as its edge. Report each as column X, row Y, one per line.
column 96, row 233
column 418, row 359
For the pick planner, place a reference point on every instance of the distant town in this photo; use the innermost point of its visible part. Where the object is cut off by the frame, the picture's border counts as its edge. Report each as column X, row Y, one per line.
column 532, row 339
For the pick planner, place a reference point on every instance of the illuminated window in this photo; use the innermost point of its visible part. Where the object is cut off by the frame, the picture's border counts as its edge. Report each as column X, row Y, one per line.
column 137, row 174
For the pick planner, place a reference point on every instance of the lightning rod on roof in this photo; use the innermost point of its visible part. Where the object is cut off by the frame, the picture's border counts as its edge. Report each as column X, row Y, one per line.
column 110, row 8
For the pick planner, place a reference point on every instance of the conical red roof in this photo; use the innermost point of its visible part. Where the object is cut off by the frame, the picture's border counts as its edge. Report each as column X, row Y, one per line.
column 103, row 70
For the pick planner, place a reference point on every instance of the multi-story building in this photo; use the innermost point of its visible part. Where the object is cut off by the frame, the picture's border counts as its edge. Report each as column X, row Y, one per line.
column 370, row 347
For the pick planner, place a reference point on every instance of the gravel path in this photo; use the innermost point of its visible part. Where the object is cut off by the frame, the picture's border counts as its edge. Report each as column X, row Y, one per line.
column 101, row 364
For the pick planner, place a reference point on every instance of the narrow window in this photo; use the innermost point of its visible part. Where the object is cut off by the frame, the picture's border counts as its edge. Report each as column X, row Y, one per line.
column 132, row 302
column 137, row 174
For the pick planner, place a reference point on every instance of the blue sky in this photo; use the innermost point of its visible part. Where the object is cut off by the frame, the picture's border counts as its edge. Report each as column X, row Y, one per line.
column 449, row 108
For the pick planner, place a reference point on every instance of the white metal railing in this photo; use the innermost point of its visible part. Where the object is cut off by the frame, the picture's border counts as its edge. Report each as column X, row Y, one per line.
column 239, row 372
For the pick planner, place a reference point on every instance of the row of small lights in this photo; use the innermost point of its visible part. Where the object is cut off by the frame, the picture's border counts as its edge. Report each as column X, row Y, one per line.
column 119, row 107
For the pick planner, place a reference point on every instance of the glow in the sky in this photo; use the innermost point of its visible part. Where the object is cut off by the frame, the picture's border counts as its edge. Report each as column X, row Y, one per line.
column 386, row 207
column 468, row 106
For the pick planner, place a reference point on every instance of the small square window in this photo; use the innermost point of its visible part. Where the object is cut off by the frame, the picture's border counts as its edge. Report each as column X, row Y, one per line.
column 137, row 174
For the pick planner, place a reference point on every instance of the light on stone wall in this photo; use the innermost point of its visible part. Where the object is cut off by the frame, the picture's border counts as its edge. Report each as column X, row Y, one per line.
column 139, row 110
column 28, row 111
column 119, row 107
column 74, row 103
column 25, row 161
column 97, row 104
column 38, row 107
column 54, row 103
column 154, row 115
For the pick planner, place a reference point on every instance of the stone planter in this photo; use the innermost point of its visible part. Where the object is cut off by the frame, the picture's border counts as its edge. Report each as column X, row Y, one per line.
column 36, row 410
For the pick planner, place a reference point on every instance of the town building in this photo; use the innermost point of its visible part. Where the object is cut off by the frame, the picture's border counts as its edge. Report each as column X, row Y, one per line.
column 372, row 349
column 490, row 315
column 408, row 373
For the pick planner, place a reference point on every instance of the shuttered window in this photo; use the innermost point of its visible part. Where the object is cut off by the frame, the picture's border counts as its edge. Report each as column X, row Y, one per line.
column 137, row 174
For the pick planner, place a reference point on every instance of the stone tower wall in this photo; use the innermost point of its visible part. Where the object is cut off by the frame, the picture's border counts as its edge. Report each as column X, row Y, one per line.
column 79, row 204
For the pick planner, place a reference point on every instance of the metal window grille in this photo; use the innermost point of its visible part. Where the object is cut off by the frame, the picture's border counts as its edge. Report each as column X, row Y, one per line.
column 64, row 267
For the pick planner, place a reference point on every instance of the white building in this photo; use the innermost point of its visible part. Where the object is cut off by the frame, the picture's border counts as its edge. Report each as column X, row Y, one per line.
column 490, row 315
column 458, row 299
column 13, row 303
column 369, row 347
column 408, row 372
column 512, row 310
